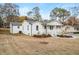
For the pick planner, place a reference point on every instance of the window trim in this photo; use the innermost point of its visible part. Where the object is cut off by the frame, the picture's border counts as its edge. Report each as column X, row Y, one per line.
column 51, row 27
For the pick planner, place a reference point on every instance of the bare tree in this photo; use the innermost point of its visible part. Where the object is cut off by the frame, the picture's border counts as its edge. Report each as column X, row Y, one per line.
column 10, row 13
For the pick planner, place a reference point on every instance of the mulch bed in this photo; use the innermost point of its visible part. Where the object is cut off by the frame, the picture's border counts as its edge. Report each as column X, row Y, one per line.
column 42, row 36
column 64, row 36
column 44, row 42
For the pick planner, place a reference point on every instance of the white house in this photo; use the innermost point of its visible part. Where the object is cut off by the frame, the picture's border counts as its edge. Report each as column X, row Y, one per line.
column 15, row 27
column 32, row 27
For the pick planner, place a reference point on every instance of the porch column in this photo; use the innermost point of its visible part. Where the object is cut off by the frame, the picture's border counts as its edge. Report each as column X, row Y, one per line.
column 31, row 29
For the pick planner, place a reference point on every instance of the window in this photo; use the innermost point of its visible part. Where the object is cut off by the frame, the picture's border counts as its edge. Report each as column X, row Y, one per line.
column 20, row 32
column 18, row 26
column 37, row 27
column 44, row 27
column 51, row 27
column 27, row 27
column 58, row 26
column 77, row 28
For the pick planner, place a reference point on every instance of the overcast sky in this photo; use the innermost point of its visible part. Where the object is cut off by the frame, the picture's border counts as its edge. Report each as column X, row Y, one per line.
column 45, row 8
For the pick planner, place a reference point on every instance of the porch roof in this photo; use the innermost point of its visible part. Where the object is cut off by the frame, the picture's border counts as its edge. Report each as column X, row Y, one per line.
column 54, row 23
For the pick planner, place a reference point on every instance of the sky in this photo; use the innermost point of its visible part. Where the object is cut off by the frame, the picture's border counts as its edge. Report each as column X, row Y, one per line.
column 45, row 8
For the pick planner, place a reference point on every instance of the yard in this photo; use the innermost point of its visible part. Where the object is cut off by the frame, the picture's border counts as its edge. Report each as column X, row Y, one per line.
column 20, row 44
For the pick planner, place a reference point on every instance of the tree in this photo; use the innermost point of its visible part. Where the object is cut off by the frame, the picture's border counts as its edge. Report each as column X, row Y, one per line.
column 36, row 10
column 35, row 14
column 10, row 13
column 1, row 22
column 29, row 13
column 59, row 13
column 71, row 21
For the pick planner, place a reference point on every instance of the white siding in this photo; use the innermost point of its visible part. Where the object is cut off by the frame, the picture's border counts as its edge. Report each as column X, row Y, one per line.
column 15, row 29
column 32, row 28
column 53, row 32
column 24, row 28
column 40, row 28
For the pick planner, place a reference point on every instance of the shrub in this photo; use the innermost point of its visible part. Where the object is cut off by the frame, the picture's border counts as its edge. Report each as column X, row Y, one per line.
column 44, row 42
column 1, row 22
column 42, row 36
column 49, row 35
column 76, row 32
column 64, row 36
column 36, row 35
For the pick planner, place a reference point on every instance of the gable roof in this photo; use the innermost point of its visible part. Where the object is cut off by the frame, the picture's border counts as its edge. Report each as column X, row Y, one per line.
column 54, row 23
column 31, row 21
column 16, row 23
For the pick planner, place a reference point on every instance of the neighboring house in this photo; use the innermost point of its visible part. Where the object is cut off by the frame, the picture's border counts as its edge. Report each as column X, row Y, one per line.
column 68, row 29
column 76, row 27
column 15, row 27
column 72, row 24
